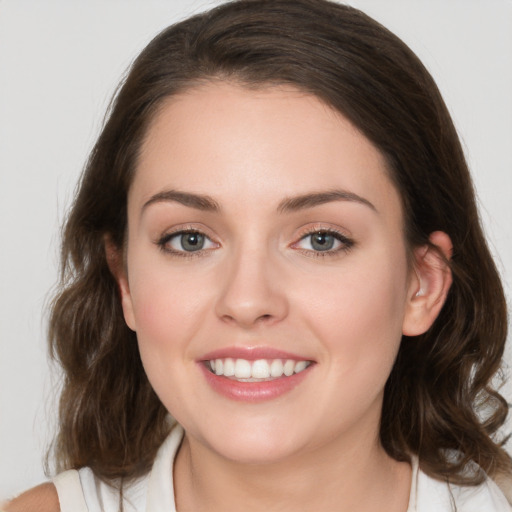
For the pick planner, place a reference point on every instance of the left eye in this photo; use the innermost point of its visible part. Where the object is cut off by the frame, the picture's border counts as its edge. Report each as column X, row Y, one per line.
column 322, row 241
column 188, row 241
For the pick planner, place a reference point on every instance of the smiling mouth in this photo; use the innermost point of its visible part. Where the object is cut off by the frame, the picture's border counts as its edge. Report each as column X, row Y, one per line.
column 260, row 370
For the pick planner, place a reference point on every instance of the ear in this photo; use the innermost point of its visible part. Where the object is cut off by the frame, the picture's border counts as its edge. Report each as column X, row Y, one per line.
column 116, row 264
column 429, row 285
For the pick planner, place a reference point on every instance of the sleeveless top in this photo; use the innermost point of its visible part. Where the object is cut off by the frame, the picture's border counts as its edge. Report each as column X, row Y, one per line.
column 82, row 491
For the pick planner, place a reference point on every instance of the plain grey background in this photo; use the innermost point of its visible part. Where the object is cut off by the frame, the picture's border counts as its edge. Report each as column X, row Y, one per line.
column 59, row 64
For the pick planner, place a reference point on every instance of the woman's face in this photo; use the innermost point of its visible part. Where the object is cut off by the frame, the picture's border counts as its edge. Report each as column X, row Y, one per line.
column 262, row 226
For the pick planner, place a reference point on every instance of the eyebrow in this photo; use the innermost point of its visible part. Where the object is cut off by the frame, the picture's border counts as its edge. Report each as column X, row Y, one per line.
column 291, row 204
column 302, row 202
column 197, row 201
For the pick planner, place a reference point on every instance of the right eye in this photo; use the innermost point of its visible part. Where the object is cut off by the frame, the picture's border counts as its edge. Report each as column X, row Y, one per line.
column 186, row 241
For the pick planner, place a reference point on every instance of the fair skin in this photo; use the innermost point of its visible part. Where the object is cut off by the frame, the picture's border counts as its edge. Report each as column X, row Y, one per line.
column 261, row 282
column 293, row 243
column 42, row 498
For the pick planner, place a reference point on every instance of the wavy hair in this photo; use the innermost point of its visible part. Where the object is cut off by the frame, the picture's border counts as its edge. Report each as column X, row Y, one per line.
column 439, row 400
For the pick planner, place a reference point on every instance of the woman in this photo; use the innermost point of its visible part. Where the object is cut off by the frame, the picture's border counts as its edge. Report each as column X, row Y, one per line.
column 276, row 241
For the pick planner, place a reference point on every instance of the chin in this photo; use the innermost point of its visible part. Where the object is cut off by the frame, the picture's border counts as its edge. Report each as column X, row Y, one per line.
column 249, row 443
column 254, row 452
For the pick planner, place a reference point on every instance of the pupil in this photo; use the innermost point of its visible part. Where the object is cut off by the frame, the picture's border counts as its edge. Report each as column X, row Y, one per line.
column 322, row 241
column 192, row 241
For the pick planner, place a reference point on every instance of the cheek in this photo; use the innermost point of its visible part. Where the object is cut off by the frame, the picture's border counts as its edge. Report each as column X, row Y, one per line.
column 358, row 313
column 166, row 307
column 167, row 312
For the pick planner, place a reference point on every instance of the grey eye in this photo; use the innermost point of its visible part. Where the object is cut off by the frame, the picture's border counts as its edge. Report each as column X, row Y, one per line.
column 183, row 242
column 322, row 241
column 191, row 241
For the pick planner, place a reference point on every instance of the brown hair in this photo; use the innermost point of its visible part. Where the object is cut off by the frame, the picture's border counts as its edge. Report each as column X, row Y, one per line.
column 438, row 400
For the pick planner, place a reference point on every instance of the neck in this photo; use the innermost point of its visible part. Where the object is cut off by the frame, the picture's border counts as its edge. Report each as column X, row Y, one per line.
column 341, row 476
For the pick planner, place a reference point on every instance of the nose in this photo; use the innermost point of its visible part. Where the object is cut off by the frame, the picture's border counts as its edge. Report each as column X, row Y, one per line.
column 251, row 291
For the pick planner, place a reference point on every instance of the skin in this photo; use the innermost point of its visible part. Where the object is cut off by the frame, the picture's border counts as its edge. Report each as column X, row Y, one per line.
column 258, row 281
column 42, row 498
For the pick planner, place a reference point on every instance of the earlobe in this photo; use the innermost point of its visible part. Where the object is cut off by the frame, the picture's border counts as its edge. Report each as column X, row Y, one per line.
column 114, row 256
column 429, row 286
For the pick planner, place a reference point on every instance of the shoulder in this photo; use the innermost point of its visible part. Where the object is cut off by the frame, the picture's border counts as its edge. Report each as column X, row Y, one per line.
column 486, row 496
column 83, row 491
column 42, row 498
column 504, row 482
column 434, row 496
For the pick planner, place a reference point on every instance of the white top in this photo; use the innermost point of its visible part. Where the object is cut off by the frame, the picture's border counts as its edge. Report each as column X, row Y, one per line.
column 82, row 491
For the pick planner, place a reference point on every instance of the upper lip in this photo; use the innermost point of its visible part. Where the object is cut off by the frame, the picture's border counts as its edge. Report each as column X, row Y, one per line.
column 252, row 354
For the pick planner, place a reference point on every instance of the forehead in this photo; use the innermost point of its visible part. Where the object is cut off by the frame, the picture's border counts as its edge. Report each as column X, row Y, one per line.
column 231, row 141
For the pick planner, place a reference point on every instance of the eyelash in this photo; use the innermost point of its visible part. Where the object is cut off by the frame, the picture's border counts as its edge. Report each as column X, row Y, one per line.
column 346, row 243
column 163, row 242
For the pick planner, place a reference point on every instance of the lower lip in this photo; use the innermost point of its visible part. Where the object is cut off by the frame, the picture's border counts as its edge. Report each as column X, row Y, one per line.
column 253, row 391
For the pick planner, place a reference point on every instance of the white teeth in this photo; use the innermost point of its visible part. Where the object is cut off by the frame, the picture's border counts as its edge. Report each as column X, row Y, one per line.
column 289, row 366
column 229, row 367
column 276, row 368
column 301, row 365
column 261, row 369
column 242, row 369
